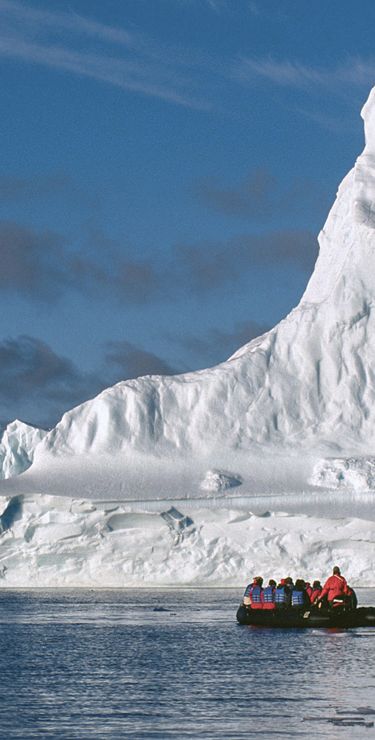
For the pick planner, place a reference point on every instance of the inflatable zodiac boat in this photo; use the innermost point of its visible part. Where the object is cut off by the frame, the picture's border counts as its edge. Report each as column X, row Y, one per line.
column 363, row 616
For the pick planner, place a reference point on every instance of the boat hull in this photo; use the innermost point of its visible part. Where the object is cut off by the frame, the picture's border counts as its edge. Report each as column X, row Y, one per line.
column 314, row 617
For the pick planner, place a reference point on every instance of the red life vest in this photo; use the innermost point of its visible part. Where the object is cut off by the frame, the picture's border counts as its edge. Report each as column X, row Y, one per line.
column 269, row 598
column 256, row 597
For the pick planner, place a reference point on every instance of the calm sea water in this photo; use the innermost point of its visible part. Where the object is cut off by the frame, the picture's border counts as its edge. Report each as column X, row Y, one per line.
column 174, row 664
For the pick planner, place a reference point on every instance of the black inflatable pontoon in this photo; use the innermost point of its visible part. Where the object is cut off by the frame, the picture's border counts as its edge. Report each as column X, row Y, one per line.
column 363, row 616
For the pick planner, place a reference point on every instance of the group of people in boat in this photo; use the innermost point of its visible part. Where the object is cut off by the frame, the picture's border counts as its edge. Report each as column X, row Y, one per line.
column 301, row 594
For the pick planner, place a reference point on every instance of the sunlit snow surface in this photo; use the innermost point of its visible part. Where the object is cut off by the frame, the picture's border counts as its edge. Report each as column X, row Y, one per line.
column 287, row 426
column 49, row 541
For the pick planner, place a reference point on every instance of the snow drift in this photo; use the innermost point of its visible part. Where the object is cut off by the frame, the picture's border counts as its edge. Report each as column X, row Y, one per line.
column 292, row 412
column 49, row 541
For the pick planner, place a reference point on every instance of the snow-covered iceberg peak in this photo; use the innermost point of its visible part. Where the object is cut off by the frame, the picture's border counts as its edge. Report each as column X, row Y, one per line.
column 368, row 115
column 345, row 270
column 308, row 382
column 17, row 447
column 364, row 172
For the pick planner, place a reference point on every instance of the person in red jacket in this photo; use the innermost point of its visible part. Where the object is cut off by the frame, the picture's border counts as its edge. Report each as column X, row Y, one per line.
column 316, row 591
column 335, row 588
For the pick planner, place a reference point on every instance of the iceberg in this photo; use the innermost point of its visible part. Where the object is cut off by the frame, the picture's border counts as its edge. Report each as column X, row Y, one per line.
column 17, row 446
column 287, row 425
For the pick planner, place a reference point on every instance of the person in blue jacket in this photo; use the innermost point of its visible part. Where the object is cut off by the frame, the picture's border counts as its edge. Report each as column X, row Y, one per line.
column 300, row 598
column 269, row 595
column 253, row 596
column 282, row 595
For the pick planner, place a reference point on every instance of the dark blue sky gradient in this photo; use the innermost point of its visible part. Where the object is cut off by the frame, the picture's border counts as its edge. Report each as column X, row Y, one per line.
column 166, row 168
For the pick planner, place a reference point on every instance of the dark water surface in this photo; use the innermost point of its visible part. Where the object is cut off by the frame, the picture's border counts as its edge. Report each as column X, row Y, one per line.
column 103, row 664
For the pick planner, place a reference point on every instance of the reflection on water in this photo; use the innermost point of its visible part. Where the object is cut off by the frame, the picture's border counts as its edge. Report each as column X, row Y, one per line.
column 163, row 664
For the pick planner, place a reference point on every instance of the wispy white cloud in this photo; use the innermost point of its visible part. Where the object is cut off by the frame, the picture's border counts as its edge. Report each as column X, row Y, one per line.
column 217, row 5
column 337, row 124
column 134, row 62
column 295, row 74
column 125, row 59
column 63, row 21
column 132, row 75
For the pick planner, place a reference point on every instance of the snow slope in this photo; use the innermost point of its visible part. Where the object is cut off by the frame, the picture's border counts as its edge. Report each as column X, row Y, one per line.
column 287, row 419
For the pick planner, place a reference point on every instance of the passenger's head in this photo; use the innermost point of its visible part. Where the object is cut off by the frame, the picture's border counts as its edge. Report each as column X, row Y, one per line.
column 300, row 584
column 317, row 584
column 336, row 571
column 258, row 581
column 272, row 583
column 289, row 581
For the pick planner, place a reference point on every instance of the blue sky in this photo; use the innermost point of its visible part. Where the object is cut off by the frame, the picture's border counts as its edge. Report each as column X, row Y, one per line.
column 166, row 168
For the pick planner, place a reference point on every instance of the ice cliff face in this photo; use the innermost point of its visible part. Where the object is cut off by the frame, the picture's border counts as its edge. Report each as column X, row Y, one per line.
column 17, row 447
column 309, row 382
